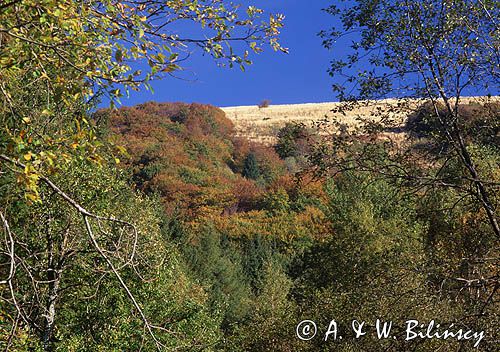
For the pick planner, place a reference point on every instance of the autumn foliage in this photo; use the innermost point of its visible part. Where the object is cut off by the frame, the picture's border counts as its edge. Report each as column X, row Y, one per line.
column 187, row 153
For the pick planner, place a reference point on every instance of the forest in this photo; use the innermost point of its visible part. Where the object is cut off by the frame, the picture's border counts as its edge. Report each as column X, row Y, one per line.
column 156, row 227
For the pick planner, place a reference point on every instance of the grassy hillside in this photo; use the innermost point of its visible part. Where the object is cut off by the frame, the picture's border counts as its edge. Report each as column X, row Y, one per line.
column 262, row 124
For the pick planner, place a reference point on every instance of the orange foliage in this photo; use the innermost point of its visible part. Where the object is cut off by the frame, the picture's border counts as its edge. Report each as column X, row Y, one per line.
column 269, row 162
column 311, row 186
column 185, row 153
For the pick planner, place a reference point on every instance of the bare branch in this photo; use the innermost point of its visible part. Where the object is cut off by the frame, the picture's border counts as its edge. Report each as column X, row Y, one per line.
column 10, row 244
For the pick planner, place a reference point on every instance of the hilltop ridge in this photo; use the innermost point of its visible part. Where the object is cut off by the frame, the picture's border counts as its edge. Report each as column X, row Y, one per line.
column 262, row 124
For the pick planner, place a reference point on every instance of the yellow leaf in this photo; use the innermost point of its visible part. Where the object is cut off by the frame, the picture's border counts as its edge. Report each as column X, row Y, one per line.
column 32, row 197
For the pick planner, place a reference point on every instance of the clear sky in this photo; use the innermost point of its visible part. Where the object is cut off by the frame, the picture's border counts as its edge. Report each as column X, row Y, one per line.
column 298, row 77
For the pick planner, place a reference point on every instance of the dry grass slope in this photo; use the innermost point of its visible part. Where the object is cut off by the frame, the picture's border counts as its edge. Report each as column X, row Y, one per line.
column 262, row 124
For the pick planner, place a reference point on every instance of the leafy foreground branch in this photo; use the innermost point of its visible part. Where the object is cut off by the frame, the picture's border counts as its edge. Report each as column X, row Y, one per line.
column 86, row 216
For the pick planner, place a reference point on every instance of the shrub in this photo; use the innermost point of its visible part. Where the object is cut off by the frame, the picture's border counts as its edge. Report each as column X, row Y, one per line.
column 264, row 103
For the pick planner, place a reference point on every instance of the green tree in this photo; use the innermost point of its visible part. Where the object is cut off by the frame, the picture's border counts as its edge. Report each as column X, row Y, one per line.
column 376, row 266
column 251, row 168
column 67, row 292
column 218, row 263
column 290, row 139
column 272, row 315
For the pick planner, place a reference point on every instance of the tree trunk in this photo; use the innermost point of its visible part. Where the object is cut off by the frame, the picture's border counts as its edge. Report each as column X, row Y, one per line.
column 467, row 159
column 482, row 192
column 53, row 278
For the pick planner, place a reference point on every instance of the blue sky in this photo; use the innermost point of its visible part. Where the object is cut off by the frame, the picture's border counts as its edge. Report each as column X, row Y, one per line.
column 298, row 77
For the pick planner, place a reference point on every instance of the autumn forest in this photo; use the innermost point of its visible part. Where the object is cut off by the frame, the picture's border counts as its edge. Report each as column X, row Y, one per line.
column 159, row 227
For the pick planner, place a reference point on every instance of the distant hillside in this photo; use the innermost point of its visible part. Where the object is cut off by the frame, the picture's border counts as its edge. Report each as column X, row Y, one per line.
column 261, row 124
column 189, row 156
